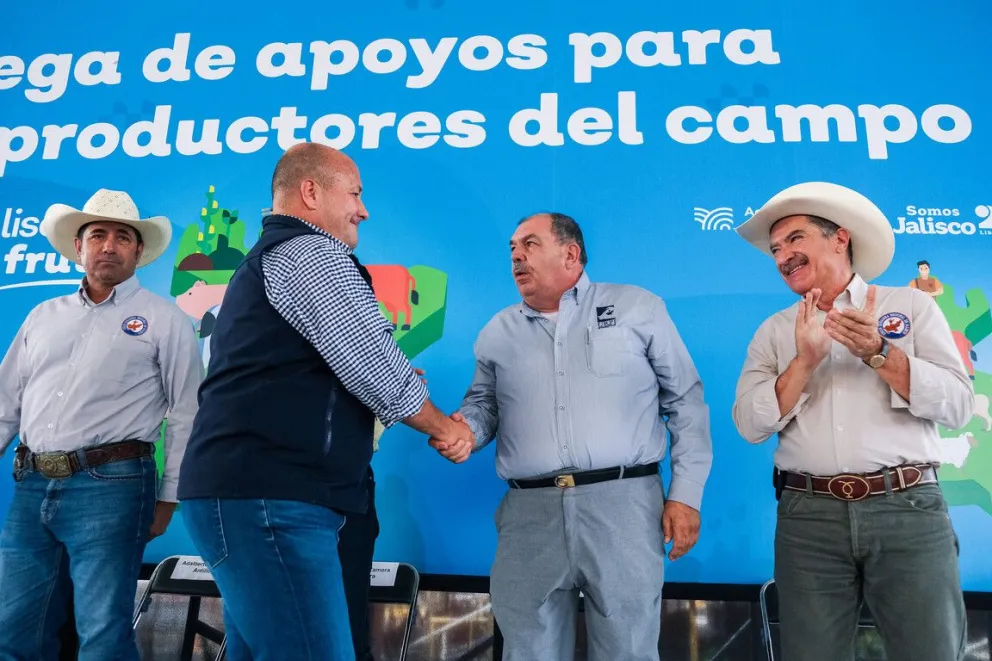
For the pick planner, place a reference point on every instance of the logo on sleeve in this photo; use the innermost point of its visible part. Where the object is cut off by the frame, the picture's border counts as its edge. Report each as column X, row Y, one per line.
column 893, row 325
column 606, row 316
column 135, row 326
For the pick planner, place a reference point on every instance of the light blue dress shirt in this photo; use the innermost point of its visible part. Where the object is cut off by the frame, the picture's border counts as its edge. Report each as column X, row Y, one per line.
column 596, row 387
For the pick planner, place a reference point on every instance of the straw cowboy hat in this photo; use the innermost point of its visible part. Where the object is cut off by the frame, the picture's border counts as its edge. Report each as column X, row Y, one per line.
column 61, row 224
column 872, row 238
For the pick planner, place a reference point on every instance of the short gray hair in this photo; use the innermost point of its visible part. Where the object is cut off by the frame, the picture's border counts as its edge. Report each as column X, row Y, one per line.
column 565, row 229
column 306, row 161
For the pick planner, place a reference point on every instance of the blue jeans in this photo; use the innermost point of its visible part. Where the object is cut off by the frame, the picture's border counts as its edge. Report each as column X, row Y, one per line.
column 896, row 552
column 276, row 565
column 90, row 528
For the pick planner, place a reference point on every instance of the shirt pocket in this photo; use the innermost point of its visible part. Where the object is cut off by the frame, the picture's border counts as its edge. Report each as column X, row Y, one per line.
column 608, row 350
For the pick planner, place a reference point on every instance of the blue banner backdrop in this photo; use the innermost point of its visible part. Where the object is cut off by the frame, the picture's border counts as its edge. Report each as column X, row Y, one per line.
column 658, row 126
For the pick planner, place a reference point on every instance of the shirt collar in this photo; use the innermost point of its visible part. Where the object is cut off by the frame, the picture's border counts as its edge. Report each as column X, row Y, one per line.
column 575, row 293
column 121, row 292
column 335, row 241
column 857, row 290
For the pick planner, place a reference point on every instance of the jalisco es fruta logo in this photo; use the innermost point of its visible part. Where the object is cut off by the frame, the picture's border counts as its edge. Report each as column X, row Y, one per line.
column 28, row 259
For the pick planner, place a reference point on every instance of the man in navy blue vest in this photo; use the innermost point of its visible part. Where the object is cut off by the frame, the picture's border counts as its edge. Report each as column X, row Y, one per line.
column 301, row 364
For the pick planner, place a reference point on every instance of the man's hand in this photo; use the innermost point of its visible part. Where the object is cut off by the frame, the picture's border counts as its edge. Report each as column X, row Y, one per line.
column 458, row 443
column 163, row 515
column 855, row 329
column 812, row 341
column 681, row 525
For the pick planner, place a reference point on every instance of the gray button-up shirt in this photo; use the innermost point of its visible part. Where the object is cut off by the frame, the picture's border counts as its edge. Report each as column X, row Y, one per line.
column 79, row 374
column 590, row 389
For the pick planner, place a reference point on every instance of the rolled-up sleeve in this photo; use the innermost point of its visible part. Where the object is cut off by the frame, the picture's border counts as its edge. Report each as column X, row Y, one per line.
column 939, row 387
column 320, row 292
column 681, row 402
column 182, row 372
column 755, row 411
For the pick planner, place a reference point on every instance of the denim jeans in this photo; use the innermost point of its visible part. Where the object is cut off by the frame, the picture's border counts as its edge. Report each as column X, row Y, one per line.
column 90, row 528
column 276, row 565
column 897, row 552
column 357, row 548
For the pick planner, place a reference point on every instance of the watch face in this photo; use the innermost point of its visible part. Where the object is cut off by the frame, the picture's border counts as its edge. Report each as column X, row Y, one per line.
column 877, row 361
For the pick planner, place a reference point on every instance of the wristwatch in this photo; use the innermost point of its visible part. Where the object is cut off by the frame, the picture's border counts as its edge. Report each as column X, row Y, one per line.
column 878, row 359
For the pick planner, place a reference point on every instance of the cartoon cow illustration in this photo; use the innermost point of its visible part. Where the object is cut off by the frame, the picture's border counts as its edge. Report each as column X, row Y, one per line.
column 395, row 288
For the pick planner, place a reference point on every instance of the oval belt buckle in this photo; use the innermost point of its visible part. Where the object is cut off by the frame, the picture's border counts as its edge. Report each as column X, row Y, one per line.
column 849, row 487
column 565, row 481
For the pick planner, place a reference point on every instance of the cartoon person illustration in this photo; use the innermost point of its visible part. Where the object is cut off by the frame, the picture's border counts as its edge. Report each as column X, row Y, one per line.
column 925, row 282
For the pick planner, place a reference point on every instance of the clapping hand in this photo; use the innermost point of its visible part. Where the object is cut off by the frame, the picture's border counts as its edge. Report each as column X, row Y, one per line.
column 812, row 339
column 457, row 443
column 856, row 329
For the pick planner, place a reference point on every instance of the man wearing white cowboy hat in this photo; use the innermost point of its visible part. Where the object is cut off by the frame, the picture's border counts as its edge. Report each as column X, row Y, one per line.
column 86, row 385
column 854, row 379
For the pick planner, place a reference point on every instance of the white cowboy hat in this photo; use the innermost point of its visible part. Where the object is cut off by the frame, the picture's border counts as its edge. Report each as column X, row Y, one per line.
column 872, row 238
column 61, row 224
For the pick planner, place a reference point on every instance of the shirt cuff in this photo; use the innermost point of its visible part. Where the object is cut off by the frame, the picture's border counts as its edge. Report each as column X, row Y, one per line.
column 686, row 492
column 409, row 406
column 167, row 490
column 476, row 431
column 766, row 412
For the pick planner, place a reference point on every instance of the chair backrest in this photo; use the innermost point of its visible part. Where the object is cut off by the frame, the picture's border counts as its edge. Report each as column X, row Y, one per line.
column 183, row 575
column 394, row 583
column 768, row 599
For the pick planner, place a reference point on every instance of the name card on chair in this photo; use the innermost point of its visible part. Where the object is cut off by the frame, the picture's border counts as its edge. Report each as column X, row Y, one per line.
column 384, row 574
column 191, row 568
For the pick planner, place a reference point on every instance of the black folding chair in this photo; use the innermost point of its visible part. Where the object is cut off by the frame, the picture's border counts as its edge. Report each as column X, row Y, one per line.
column 192, row 580
column 396, row 583
column 768, row 600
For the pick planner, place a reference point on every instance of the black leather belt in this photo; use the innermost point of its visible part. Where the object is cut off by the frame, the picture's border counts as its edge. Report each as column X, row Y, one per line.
column 570, row 480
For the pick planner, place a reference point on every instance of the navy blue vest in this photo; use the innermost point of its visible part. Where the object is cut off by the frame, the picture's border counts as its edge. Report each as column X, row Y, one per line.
column 274, row 421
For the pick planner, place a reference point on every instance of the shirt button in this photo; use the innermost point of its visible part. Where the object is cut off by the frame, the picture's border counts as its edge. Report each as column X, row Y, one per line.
column 60, row 393
column 840, row 427
column 560, row 372
column 561, row 408
column 50, row 425
column 564, row 447
column 559, row 344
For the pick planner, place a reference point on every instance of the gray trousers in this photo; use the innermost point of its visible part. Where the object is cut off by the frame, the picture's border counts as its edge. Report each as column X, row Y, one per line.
column 898, row 552
column 604, row 539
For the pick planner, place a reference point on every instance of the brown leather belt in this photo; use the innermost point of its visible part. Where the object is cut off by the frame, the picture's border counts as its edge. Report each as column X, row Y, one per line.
column 60, row 465
column 850, row 487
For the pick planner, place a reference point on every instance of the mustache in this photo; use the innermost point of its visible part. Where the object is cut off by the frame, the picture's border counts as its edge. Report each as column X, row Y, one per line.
column 519, row 267
column 798, row 260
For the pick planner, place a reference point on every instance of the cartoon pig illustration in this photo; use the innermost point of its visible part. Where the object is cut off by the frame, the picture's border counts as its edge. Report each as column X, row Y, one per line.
column 199, row 298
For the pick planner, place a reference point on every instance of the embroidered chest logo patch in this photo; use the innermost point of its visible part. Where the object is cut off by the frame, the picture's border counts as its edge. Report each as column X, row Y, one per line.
column 893, row 325
column 135, row 325
column 606, row 316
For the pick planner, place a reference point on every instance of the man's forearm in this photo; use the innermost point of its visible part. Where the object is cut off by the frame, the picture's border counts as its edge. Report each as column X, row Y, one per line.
column 430, row 420
column 789, row 385
column 895, row 371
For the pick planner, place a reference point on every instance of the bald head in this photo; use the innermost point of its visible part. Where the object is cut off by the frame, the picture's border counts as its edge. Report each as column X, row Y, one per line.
column 322, row 186
column 308, row 160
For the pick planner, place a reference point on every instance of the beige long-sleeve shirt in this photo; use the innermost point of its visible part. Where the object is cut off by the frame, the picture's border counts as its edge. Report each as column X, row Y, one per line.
column 848, row 419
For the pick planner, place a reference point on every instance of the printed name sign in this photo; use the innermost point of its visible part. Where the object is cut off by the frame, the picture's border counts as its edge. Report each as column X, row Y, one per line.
column 191, row 568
